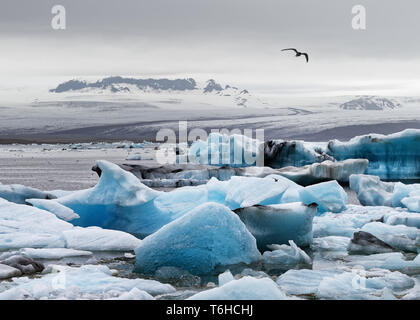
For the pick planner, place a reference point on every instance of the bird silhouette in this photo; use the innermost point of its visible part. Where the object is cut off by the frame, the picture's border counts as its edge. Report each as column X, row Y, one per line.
column 298, row 54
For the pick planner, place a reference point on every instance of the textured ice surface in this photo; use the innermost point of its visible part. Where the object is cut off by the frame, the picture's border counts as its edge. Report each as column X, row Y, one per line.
column 85, row 282
column 209, row 236
column 394, row 261
column 326, row 170
column 23, row 226
column 394, row 156
column 349, row 221
column 329, row 196
column 247, row 288
column 341, row 284
column 287, row 257
column 371, row 191
column 221, row 149
column 398, row 236
column 277, row 224
column 8, row 272
column 98, row 239
column 330, row 243
column 54, row 207
column 18, row 194
column 53, row 253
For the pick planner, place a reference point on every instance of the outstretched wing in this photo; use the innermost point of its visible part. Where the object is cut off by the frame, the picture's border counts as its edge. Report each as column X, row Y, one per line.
column 306, row 56
column 292, row 49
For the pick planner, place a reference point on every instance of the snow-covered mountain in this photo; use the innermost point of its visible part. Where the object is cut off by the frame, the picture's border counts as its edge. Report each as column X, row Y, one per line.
column 178, row 90
column 370, row 103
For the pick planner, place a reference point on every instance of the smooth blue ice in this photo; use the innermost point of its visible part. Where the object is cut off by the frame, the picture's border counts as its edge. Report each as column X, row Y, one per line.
column 207, row 237
column 329, row 196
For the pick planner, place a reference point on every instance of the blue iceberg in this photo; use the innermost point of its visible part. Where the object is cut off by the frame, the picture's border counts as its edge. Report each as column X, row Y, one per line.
column 207, row 237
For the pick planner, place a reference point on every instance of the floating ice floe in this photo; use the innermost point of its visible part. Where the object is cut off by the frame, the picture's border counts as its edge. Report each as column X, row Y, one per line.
column 52, row 253
column 397, row 236
column 85, row 282
column 18, row 194
column 371, row 191
column 349, row 221
column 279, row 223
column 23, row 226
column 286, row 257
column 135, row 156
column 342, row 284
column 366, row 243
column 207, row 237
column 329, row 196
column 394, row 261
column 246, row 288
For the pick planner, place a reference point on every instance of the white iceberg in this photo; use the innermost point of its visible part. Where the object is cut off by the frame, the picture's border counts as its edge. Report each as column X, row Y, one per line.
column 246, row 288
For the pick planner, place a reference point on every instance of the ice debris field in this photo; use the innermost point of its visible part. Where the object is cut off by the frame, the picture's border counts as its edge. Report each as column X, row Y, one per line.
column 211, row 230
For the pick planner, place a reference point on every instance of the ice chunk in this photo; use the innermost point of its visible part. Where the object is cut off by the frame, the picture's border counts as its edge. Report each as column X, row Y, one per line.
column 23, row 226
column 400, row 237
column 348, row 221
column 246, row 288
column 330, row 243
column 54, row 207
column 97, row 239
column 209, row 236
column 326, row 170
column 342, row 284
column 371, row 191
column 225, row 277
column 221, row 149
column 54, row 253
column 8, row 272
column 329, row 196
column 366, row 243
column 410, row 219
column 286, row 257
column 402, row 191
column 85, row 282
column 135, row 156
column 23, row 263
column 394, row 261
column 135, row 294
column 277, row 224
column 18, row 194
column 412, row 202
column 246, row 192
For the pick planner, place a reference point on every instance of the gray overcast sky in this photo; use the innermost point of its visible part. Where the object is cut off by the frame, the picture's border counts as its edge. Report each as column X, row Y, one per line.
column 234, row 41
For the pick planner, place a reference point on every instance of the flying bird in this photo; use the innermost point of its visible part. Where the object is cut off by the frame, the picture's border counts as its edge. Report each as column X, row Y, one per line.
column 298, row 54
